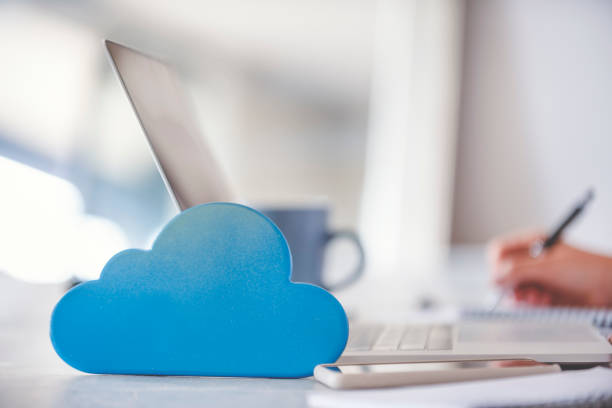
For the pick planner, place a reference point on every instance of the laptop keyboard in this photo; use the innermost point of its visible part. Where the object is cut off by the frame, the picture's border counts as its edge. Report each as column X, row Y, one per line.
column 402, row 338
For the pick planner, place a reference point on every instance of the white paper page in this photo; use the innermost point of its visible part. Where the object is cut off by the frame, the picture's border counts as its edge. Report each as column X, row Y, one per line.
column 563, row 386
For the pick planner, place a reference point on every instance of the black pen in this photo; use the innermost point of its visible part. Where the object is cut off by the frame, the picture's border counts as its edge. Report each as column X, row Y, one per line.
column 538, row 247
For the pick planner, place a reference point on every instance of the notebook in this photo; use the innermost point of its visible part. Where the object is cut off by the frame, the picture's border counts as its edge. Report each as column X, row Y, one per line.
column 596, row 401
column 578, row 388
column 600, row 318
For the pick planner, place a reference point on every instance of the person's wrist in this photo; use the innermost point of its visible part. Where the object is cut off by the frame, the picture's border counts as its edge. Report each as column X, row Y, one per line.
column 606, row 276
column 601, row 295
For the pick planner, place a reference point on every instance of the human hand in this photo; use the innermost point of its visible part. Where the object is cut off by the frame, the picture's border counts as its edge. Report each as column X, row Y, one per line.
column 561, row 275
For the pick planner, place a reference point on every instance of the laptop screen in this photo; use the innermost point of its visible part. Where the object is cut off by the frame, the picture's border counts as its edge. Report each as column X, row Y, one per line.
column 190, row 171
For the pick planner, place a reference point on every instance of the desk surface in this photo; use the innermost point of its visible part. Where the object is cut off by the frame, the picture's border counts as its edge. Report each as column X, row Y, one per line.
column 31, row 374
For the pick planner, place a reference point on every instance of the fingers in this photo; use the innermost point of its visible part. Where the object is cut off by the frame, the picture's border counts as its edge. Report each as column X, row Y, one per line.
column 540, row 282
column 506, row 254
column 503, row 247
column 533, row 295
column 521, row 270
column 515, row 269
column 561, row 275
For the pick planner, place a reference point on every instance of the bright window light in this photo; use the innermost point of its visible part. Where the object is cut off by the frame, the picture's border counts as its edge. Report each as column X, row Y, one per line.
column 48, row 74
column 45, row 236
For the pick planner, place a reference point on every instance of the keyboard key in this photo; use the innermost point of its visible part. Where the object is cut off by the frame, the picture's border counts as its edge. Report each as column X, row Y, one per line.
column 440, row 338
column 389, row 339
column 414, row 338
column 363, row 338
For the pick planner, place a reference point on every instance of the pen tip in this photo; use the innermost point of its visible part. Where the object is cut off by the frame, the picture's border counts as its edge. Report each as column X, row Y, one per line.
column 589, row 195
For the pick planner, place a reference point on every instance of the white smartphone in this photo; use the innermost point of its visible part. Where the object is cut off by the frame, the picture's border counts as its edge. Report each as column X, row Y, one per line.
column 351, row 376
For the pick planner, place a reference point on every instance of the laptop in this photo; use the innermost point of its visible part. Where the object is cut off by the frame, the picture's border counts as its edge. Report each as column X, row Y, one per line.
column 193, row 176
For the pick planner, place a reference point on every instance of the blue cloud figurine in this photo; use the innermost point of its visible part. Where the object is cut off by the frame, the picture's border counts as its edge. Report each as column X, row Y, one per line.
column 212, row 297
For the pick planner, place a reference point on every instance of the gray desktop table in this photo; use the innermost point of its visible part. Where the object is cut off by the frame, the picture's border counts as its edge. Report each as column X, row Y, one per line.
column 32, row 375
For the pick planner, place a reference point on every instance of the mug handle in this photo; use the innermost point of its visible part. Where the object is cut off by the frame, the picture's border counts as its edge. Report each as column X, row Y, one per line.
column 358, row 271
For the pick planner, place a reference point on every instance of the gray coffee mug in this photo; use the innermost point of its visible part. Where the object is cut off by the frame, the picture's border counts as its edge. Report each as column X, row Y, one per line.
column 305, row 229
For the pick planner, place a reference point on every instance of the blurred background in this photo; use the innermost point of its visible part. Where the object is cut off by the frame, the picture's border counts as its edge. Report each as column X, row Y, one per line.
column 425, row 125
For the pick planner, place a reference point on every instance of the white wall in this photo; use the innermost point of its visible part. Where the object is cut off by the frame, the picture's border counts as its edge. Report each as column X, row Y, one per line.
column 536, row 120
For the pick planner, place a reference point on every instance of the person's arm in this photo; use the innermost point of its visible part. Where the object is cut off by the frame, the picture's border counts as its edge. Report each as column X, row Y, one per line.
column 562, row 275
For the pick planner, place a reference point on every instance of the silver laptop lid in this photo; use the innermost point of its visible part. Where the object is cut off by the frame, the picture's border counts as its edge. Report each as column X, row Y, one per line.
column 188, row 167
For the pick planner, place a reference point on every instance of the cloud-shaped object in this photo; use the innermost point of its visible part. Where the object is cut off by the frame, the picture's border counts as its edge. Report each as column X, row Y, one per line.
column 212, row 297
